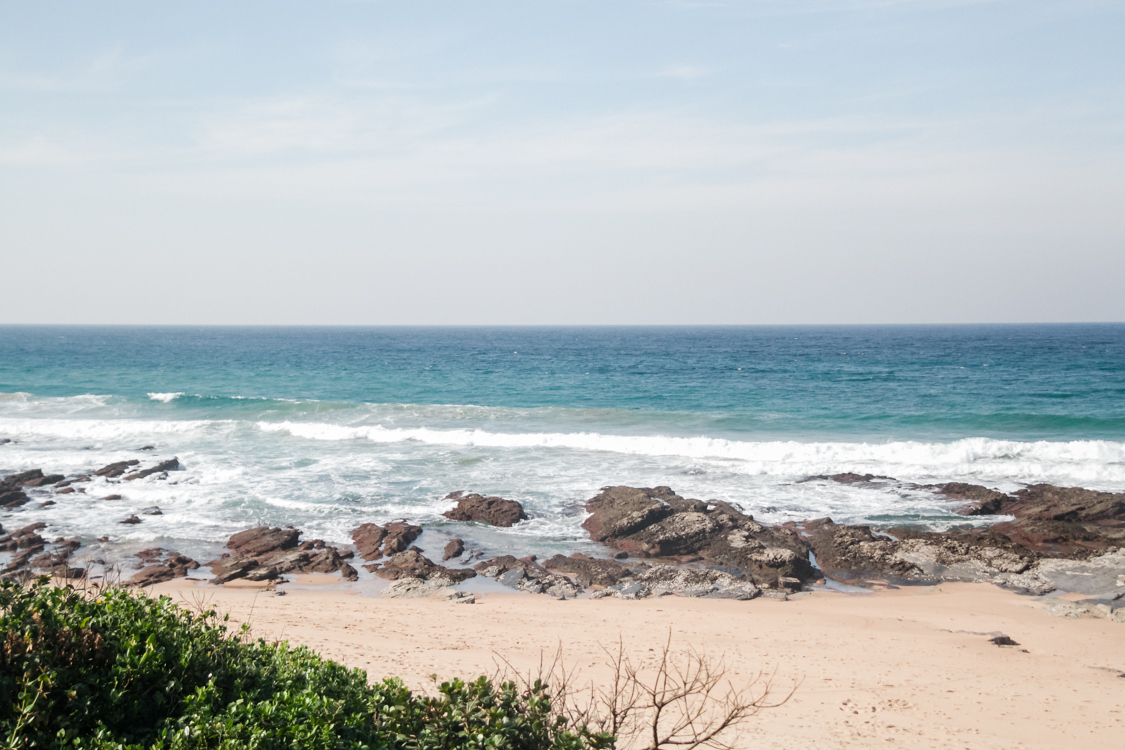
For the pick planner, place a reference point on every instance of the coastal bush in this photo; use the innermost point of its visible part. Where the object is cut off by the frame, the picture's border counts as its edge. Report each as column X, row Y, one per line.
column 113, row 669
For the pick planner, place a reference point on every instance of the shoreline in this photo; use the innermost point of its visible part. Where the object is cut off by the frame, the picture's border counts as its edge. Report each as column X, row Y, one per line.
column 906, row 667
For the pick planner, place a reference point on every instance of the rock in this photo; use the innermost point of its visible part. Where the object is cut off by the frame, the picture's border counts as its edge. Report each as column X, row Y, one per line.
column 628, row 590
column 461, row 597
column 43, row 481
column 116, row 469
column 152, row 511
column 587, row 570
column 400, row 535
column 409, row 588
column 1064, row 521
column 983, row 501
column 656, row 522
column 171, row 464
column 455, row 548
column 151, row 575
column 668, row 579
column 264, row 554
column 494, row 511
column 18, row 480
column 617, row 512
column 511, row 578
column 229, row 568
column 1002, row 640
column 263, row 540
column 850, row 478
column 147, row 448
column 367, row 539
column 13, row 498
column 131, row 520
column 527, row 575
column 856, row 555
column 393, row 538
column 112, row 497
column 412, row 564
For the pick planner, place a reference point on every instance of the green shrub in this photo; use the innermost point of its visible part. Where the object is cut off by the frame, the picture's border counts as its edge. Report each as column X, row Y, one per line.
column 120, row 670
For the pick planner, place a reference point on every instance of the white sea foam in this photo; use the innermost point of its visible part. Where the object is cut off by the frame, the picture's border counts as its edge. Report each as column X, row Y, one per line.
column 1093, row 460
column 165, row 397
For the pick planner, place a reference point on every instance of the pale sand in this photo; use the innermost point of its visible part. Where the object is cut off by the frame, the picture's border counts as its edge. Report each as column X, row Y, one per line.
column 891, row 669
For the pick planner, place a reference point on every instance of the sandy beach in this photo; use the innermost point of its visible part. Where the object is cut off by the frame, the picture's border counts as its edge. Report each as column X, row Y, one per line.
column 910, row 667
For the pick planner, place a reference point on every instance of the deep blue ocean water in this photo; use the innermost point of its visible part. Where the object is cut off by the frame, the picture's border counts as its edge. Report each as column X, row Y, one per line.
column 324, row 428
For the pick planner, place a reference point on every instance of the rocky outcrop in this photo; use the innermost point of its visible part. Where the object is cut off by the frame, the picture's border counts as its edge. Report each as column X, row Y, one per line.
column 11, row 487
column 265, row 554
column 115, row 470
column 981, row 500
column 163, row 467
column 263, row 540
column 31, row 552
column 658, row 523
column 525, row 574
column 455, row 548
column 373, row 542
column 161, row 565
column 850, row 478
column 494, row 511
column 857, row 555
column 589, row 571
column 412, row 564
column 1055, row 521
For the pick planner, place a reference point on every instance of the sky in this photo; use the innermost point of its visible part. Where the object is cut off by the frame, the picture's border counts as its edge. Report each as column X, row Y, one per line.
column 578, row 162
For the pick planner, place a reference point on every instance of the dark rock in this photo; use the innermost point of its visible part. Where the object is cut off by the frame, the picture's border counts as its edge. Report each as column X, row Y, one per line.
column 147, row 448
column 262, row 540
column 171, row 464
column 152, row 511
column 511, row 578
column 1002, row 640
column 18, row 480
column 66, row 491
column 659, row 523
column 984, row 502
column 400, row 535
column 44, row 480
column 367, row 539
column 5, row 441
column 131, row 520
column 621, row 556
column 850, row 478
column 495, row 511
column 151, row 575
column 229, row 568
column 116, row 469
column 1064, row 521
column 349, row 573
column 412, row 564
column 629, row 590
column 620, row 511
column 13, row 498
column 587, row 570
column 854, row 554
column 112, row 497
column 455, row 548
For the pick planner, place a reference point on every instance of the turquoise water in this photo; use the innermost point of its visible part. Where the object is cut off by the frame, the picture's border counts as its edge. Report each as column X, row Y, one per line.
column 326, row 428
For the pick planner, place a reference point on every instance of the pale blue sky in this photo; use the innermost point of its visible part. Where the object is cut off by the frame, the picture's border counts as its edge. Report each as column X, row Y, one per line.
column 562, row 162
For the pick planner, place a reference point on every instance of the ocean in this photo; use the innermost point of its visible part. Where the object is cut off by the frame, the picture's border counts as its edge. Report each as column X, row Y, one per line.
column 327, row 428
